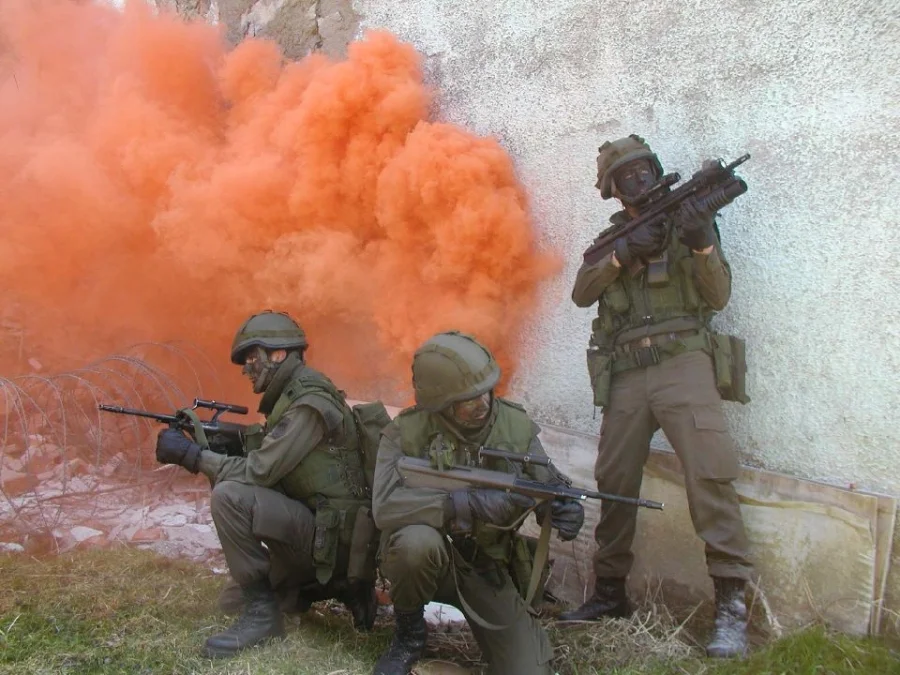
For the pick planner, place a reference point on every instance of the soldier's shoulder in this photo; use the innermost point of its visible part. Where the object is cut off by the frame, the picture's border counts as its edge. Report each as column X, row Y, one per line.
column 409, row 414
column 309, row 388
column 410, row 411
column 305, row 376
column 512, row 406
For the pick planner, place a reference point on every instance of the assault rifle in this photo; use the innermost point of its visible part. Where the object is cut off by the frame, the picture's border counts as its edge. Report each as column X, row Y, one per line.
column 711, row 188
column 436, row 473
column 226, row 438
column 439, row 472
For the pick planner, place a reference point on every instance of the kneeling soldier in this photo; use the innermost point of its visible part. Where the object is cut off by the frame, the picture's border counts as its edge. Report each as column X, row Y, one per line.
column 451, row 546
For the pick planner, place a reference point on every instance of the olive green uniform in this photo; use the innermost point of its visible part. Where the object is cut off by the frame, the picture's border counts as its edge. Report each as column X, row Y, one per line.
column 419, row 556
column 299, row 491
column 650, row 364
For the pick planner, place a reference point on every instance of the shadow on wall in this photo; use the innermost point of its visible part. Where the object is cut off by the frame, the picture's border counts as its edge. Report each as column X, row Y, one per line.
column 821, row 553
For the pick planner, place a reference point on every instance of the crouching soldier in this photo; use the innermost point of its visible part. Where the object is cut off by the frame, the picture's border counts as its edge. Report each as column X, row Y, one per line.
column 450, row 546
column 287, row 511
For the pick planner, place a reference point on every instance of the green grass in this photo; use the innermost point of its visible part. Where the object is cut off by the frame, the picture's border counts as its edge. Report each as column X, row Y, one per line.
column 126, row 611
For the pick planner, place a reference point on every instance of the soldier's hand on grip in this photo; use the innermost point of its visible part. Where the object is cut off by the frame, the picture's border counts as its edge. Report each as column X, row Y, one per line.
column 645, row 241
column 695, row 227
column 487, row 505
column 173, row 447
column 566, row 516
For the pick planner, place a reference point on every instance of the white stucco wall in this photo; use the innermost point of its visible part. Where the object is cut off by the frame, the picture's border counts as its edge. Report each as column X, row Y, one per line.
column 809, row 88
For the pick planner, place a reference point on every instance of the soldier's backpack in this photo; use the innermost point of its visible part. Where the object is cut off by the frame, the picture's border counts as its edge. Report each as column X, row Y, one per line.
column 370, row 419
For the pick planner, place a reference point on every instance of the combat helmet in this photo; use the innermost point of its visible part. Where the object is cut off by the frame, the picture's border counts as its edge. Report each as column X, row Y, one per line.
column 268, row 329
column 614, row 154
column 451, row 367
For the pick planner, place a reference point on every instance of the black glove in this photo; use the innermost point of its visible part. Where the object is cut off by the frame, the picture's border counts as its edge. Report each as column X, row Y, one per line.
column 566, row 516
column 487, row 505
column 173, row 447
column 695, row 227
column 645, row 241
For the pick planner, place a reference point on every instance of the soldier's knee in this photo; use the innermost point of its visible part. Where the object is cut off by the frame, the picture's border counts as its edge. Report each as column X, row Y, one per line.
column 228, row 496
column 413, row 548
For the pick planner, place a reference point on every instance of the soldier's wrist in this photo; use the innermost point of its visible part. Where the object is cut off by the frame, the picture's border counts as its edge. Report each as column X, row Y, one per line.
column 192, row 456
column 458, row 512
column 621, row 252
column 449, row 509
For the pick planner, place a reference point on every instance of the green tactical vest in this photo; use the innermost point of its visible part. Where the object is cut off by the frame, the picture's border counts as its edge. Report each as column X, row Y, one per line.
column 330, row 479
column 512, row 431
column 662, row 291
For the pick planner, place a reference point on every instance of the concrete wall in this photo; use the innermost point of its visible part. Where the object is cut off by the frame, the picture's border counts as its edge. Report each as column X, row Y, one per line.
column 809, row 88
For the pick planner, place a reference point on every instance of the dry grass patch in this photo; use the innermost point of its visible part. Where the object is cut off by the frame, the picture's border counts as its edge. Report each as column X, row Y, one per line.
column 126, row 611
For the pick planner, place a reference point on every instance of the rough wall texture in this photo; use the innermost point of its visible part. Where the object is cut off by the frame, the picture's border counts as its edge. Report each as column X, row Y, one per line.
column 809, row 89
column 299, row 26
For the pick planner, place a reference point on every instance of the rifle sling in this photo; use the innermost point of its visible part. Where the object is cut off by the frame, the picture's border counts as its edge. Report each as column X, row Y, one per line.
column 199, row 433
column 537, row 571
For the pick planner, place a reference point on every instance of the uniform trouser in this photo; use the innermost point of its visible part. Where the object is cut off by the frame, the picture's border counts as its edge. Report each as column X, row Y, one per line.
column 679, row 395
column 248, row 515
column 416, row 560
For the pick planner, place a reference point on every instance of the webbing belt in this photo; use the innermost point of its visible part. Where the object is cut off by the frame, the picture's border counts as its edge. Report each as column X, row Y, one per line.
column 643, row 357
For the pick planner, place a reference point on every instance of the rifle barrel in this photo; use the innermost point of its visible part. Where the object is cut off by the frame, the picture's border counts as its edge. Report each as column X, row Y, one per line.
column 160, row 417
column 636, row 501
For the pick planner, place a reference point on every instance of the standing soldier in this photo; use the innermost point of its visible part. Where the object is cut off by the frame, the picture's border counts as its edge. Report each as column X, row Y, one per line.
column 450, row 546
column 650, row 363
column 287, row 510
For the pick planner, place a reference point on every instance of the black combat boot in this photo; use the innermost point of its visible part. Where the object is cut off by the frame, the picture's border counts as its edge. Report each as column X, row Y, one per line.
column 609, row 600
column 730, row 635
column 360, row 600
column 408, row 645
column 259, row 621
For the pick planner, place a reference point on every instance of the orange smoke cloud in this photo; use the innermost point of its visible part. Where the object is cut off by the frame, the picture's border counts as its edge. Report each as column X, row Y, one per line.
column 155, row 186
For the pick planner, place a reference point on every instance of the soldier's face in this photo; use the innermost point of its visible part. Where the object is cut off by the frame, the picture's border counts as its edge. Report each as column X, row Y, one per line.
column 254, row 363
column 259, row 364
column 472, row 412
column 634, row 178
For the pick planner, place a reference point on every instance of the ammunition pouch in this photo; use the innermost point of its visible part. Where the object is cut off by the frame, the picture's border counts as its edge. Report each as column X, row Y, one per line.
column 599, row 364
column 729, row 356
column 325, row 542
column 253, row 438
column 521, row 567
column 344, row 525
column 363, row 547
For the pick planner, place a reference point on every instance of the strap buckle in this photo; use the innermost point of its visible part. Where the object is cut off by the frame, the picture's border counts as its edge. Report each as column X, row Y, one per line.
column 646, row 356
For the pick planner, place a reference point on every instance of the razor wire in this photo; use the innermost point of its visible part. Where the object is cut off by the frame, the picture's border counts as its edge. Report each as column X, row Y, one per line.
column 64, row 463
